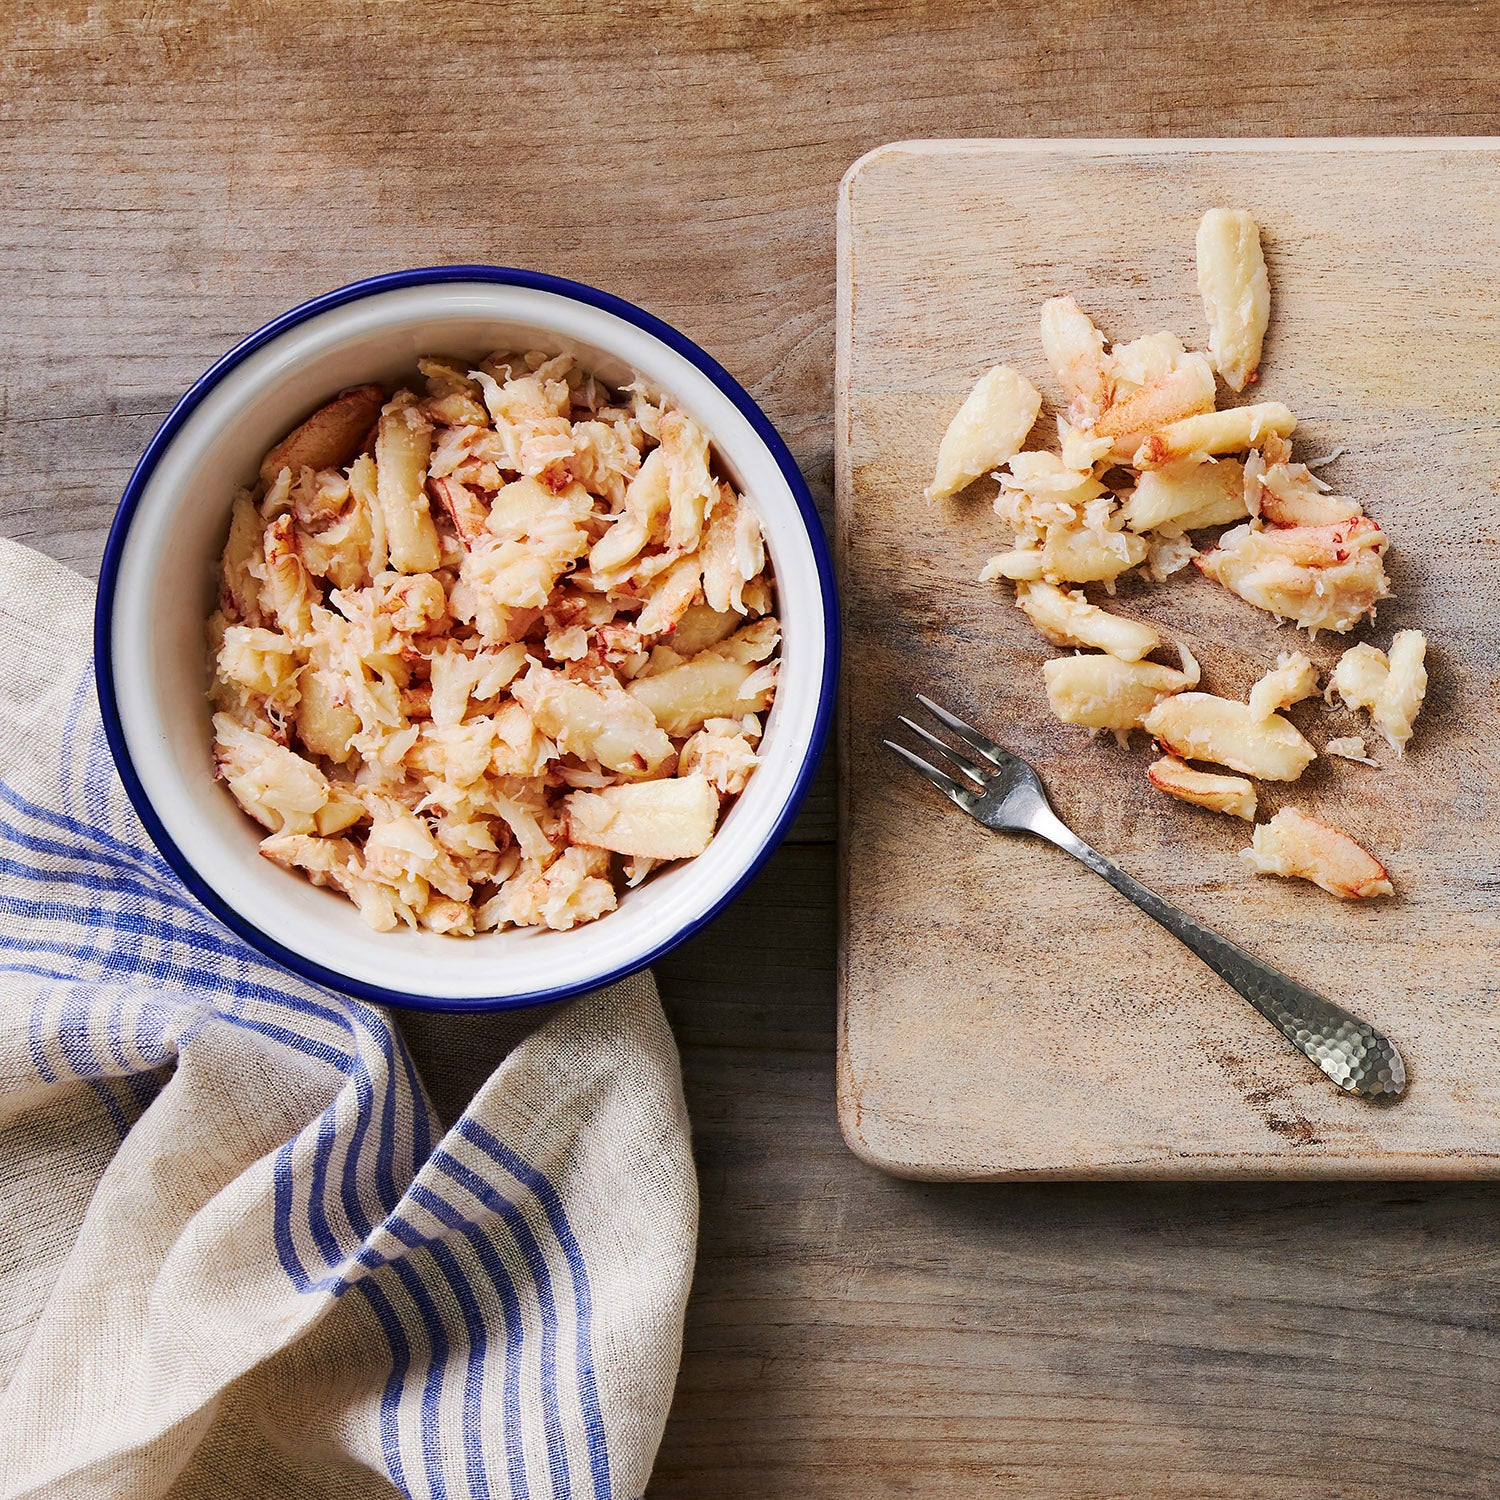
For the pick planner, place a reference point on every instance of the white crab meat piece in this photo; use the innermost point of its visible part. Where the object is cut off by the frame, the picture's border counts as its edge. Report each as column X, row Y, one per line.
column 243, row 562
column 1349, row 747
column 710, row 685
column 1187, row 495
column 1081, row 448
column 287, row 594
column 1045, row 477
column 648, row 501
column 276, row 786
column 1103, row 692
column 990, row 428
column 1089, row 554
column 1360, row 675
column 1142, row 362
column 326, row 725
column 1292, row 679
column 671, row 596
column 1200, row 726
column 403, row 445
column 721, row 752
column 599, row 722
column 1236, row 295
column 576, row 888
column 1168, row 555
column 1292, row 496
column 329, row 438
column 1321, row 577
column 1405, row 687
column 519, row 568
column 604, row 461
column 401, row 848
column 1230, row 431
column 733, row 552
column 1226, row 794
column 691, row 488
column 669, row 819
column 702, row 626
column 1068, row 619
column 1390, row 687
column 1074, row 350
column 1296, row 846
column 1183, row 393
column 261, row 661
column 1021, row 565
column 325, row 861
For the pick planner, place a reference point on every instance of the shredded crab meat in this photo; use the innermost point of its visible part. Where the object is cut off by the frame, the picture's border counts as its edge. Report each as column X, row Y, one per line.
column 447, row 612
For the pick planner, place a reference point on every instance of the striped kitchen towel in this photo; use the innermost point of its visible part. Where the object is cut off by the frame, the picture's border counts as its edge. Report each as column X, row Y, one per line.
column 239, row 1253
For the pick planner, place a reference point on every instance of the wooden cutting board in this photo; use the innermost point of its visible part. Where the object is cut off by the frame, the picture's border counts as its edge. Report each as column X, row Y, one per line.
column 1003, row 1013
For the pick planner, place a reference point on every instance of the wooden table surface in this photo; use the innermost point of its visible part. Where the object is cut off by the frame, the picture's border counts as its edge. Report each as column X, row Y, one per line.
column 176, row 173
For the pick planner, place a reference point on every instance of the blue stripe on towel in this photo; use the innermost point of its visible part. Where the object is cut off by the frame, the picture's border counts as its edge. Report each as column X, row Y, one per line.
column 551, row 1203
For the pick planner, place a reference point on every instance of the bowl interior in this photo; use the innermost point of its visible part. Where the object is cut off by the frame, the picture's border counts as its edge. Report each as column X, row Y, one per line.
column 163, row 591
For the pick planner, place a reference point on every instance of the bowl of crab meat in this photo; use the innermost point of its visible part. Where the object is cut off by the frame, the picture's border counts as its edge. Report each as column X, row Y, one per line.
column 466, row 638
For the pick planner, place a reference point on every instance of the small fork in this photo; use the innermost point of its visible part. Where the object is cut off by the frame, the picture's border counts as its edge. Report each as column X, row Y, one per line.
column 1002, row 792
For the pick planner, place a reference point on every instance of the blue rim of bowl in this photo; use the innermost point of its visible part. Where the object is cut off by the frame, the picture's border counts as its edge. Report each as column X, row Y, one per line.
column 372, row 286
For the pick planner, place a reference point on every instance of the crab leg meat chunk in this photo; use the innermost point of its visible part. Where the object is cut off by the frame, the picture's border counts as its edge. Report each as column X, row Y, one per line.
column 1103, row 692
column 990, row 427
column 1212, row 432
column 1236, row 295
column 1199, row 726
column 1296, row 846
column 1068, row 619
column 1226, row 794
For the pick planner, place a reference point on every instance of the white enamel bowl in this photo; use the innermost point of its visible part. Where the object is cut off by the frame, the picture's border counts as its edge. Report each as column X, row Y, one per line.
column 157, row 588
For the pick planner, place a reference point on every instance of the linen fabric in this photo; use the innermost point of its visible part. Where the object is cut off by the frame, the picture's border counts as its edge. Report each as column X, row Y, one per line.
column 239, row 1252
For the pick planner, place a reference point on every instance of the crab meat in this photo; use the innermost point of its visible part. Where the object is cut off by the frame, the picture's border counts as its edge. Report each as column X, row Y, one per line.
column 601, row 723
column 1226, row 794
column 1103, row 692
column 670, row 819
column 1322, row 577
column 1143, row 362
column 1213, row 432
column 1074, row 350
column 1299, row 847
column 1292, row 496
column 1292, row 679
column 1188, row 494
column 1089, row 554
column 403, row 445
column 1405, row 687
column 329, row 438
column 989, row 428
column 276, row 786
column 1390, row 687
column 1236, row 297
column 1352, row 747
column 1184, row 392
column 463, row 507
column 1068, row 619
column 1199, row 726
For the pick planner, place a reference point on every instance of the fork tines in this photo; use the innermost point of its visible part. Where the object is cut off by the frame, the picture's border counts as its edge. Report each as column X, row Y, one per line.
column 975, row 772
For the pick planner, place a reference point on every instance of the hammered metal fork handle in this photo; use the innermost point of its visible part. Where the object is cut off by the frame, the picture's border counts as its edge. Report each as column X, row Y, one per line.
column 1350, row 1051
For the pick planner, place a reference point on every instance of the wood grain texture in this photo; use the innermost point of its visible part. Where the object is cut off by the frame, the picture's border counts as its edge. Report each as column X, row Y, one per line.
column 177, row 173
column 1002, row 1013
